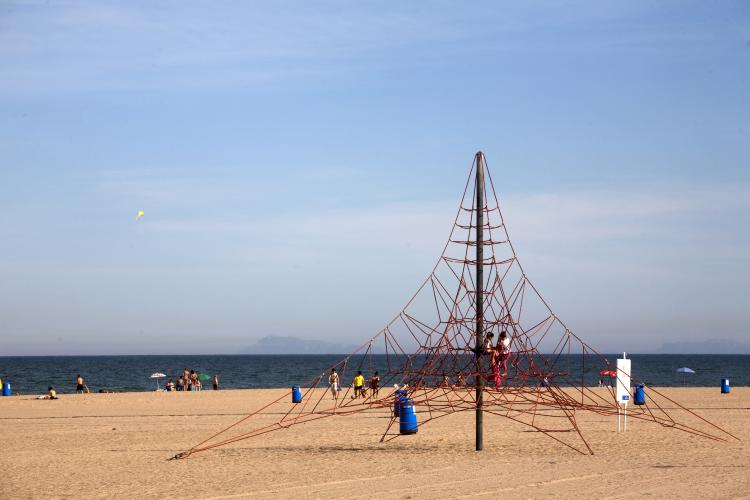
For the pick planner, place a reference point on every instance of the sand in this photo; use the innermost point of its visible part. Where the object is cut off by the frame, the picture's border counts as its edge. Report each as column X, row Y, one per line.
column 118, row 445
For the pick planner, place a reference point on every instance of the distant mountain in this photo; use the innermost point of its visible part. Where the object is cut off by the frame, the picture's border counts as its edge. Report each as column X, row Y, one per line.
column 711, row 346
column 293, row 345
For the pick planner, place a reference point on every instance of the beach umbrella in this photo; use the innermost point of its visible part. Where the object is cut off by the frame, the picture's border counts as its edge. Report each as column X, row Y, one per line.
column 204, row 376
column 684, row 370
column 157, row 376
column 608, row 373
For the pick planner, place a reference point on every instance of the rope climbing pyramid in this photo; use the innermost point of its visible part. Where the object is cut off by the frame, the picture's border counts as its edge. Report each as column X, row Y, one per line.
column 476, row 336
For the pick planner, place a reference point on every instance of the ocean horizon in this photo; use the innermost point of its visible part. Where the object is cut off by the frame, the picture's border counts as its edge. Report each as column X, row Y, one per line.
column 130, row 373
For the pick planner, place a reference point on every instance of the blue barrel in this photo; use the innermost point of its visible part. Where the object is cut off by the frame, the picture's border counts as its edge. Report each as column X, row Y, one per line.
column 408, row 419
column 6, row 389
column 400, row 394
column 296, row 394
column 640, row 395
column 724, row 386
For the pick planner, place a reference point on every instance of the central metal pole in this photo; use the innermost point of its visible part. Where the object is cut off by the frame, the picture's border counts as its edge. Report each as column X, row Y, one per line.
column 480, row 298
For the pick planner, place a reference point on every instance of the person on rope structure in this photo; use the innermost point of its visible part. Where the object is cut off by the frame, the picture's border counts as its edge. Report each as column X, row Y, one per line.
column 503, row 351
column 495, row 364
column 359, row 383
column 333, row 383
column 79, row 384
column 487, row 346
column 375, row 384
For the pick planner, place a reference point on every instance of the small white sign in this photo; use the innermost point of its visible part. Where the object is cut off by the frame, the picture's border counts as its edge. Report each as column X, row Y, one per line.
column 623, row 380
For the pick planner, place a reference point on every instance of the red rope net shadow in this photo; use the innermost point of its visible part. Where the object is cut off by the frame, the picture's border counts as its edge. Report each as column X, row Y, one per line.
column 429, row 348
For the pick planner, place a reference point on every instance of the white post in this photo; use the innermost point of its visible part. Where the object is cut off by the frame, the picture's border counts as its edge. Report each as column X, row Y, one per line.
column 618, row 417
column 622, row 392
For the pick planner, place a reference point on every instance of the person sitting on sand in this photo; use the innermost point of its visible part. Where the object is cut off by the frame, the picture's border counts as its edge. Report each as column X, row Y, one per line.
column 181, row 384
column 333, row 382
column 359, row 383
column 375, row 384
column 79, row 384
column 51, row 393
column 170, row 385
column 193, row 379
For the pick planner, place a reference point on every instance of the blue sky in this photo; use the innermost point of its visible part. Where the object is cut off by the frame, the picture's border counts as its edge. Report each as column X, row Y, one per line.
column 300, row 165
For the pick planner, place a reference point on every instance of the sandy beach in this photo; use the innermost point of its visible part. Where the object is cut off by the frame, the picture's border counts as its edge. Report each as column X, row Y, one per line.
column 118, row 445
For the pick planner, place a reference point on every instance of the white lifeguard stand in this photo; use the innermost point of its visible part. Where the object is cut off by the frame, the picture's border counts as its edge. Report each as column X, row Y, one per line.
column 623, row 390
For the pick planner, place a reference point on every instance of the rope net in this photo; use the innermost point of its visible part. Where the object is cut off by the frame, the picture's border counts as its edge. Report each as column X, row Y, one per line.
column 541, row 379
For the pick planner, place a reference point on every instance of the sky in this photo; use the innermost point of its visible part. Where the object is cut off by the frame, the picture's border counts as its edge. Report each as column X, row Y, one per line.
column 300, row 164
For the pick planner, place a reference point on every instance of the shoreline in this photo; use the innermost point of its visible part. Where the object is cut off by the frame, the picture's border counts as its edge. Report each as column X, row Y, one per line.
column 29, row 395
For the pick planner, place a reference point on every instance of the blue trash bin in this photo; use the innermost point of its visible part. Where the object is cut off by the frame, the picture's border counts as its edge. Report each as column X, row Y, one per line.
column 6, row 389
column 296, row 394
column 640, row 395
column 725, row 386
column 408, row 417
column 400, row 394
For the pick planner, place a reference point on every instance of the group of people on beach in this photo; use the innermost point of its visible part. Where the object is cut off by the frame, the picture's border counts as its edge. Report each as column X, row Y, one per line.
column 358, row 384
column 190, row 380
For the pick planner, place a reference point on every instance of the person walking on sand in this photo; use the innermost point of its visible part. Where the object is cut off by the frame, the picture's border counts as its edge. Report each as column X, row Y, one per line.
column 333, row 383
column 79, row 384
column 359, row 383
column 216, row 382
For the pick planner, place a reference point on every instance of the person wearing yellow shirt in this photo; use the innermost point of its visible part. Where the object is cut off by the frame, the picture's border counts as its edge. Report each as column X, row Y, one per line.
column 359, row 383
column 51, row 394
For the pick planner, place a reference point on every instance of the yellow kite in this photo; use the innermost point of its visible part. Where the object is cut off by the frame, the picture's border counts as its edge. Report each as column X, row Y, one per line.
column 140, row 214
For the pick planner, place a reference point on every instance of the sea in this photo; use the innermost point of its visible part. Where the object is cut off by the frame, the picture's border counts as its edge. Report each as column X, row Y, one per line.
column 34, row 374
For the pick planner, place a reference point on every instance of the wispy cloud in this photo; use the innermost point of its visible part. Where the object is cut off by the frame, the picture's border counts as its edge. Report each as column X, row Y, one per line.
column 537, row 221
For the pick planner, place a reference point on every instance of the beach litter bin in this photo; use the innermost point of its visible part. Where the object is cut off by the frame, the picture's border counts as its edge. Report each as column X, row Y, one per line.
column 400, row 394
column 408, row 417
column 725, row 386
column 296, row 394
column 640, row 395
column 6, row 389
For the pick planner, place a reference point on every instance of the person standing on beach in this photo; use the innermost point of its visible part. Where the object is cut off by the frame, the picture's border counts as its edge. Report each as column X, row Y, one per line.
column 186, row 376
column 216, row 382
column 79, row 384
column 375, row 384
column 333, row 383
column 359, row 383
